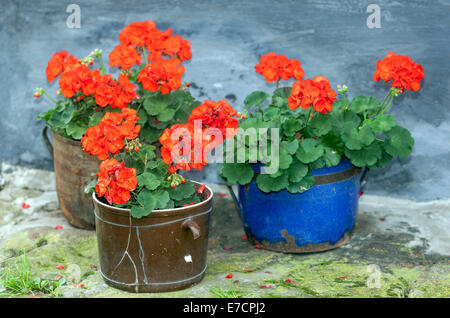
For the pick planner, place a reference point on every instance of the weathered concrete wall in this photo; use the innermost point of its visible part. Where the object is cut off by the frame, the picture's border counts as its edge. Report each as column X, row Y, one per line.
column 329, row 37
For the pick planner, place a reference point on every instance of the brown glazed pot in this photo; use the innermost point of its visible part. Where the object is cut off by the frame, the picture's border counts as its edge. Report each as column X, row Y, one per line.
column 161, row 252
column 73, row 169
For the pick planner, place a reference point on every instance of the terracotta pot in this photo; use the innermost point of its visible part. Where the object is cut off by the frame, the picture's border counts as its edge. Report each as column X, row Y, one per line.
column 161, row 252
column 73, row 169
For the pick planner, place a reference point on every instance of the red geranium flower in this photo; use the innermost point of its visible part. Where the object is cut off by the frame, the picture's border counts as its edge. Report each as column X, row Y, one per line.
column 162, row 74
column 273, row 67
column 55, row 65
column 115, row 181
column 108, row 136
column 137, row 33
column 316, row 93
column 401, row 70
column 124, row 56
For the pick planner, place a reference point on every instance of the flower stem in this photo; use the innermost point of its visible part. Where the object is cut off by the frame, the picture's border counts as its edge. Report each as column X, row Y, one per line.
column 309, row 116
column 387, row 106
column 103, row 67
column 48, row 96
column 384, row 101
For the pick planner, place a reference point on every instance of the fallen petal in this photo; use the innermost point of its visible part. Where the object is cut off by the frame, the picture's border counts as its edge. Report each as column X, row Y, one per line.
column 290, row 281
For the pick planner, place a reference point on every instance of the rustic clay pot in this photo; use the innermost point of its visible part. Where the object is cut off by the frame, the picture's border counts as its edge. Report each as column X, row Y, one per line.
column 73, row 171
column 161, row 252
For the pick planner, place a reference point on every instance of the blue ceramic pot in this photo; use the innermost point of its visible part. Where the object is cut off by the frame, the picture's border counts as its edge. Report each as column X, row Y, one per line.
column 319, row 219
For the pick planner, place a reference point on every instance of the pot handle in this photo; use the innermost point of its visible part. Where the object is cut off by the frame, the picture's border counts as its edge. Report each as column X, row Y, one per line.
column 236, row 201
column 193, row 226
column 364, row 178
column 47, row 141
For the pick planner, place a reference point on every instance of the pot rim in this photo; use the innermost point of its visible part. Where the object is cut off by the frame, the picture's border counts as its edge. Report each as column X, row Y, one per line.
column 185, row 208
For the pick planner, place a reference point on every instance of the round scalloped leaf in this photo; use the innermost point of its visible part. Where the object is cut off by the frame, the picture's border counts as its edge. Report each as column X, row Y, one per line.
column 149, row 180
column 356, row 138
column 267, row 184
column 255, row 98
column 366, row 156
column 182, row 191
column 383, row 123
column 309, row 150
column 320, row 124
column 331, row 157
column 297, row 171
column 398, row 142
column 301, row 186
column 241, row 173
column 362, row 103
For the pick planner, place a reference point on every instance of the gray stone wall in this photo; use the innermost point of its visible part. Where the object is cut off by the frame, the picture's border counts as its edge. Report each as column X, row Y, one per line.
column 330, row 38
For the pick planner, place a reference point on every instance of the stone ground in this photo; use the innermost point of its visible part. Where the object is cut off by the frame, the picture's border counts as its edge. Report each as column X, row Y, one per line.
column 399, row 248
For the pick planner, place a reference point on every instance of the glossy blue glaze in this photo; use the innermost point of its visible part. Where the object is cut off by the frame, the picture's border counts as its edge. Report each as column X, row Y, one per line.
column 321, row 214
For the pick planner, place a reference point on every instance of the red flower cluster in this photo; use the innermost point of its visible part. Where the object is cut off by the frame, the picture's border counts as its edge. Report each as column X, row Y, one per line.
column 108, row 136
column 117, row 94
column 76, row 76
column 162, row 73
column 402, row 70
column 115, row 181
column 273, row 67
column 218, row 115
column 145, row 34
column 316, row 93
column 124, row 56
column 213, row 115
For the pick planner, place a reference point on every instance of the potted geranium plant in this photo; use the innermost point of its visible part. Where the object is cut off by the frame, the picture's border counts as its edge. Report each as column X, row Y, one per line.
column 309, row 201
column 151, row 85
column 152, row 223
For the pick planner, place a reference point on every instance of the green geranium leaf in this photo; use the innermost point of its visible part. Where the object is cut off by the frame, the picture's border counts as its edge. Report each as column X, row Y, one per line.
column 309, row 150
column 291, row 126
column 271, row 113
column 332, row 157
column 149, row 134
column 161, row 197
column 382, row 161
column 297, row 171
column 95, row 118
column 267, row 184
column 281, row 96
column 285, row 159
column 241, row 173
column 356, row 138
column 339, row 119
column 398, row 142
column 301, row 186
column 156, row 104
column 321, row 124
column 149, row 180
column 383, row 123
column 290, row 146
column 366, row 156
column 255, row 99
column 362, row 103
column 142, row 114
column 317, row 164
column 192, row 199
column 138, row 211
column 182, row 191
column 166, row 114
column 76, row 130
